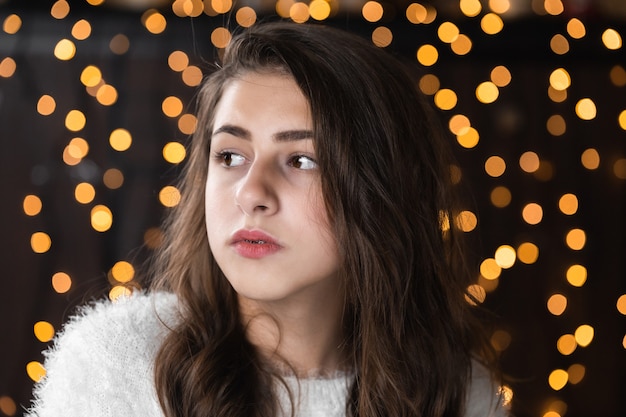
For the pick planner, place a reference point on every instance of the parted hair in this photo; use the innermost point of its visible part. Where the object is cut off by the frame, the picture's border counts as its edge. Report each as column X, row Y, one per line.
column 410, row 334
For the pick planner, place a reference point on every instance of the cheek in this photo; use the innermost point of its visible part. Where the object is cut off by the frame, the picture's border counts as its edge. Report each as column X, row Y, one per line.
column 215, row 209
column 318, row 219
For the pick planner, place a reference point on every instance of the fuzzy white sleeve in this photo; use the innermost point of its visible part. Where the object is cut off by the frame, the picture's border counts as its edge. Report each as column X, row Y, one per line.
column 484, row 399
column 101, row 364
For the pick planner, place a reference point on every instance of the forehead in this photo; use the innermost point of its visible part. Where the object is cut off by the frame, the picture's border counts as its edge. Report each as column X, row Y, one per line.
column 263, row 100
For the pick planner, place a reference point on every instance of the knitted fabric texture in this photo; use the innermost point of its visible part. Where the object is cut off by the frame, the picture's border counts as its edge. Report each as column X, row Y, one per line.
column 102, row 363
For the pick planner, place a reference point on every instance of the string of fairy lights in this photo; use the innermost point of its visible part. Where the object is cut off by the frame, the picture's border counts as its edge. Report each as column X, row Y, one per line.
column 490, row 16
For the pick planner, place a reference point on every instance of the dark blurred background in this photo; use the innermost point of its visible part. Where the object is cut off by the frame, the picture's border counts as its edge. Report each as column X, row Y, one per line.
column 96, row 103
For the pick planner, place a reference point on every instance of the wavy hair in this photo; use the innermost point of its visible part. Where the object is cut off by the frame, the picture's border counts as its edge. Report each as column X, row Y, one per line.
column 385, row 173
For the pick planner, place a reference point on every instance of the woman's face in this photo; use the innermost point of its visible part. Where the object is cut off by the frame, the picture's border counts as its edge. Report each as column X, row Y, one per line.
column 266, row 220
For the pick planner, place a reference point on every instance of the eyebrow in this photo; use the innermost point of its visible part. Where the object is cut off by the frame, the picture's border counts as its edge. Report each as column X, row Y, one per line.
column 282, row 136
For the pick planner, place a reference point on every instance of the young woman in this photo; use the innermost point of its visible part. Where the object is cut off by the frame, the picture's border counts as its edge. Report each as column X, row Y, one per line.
column 310, row 268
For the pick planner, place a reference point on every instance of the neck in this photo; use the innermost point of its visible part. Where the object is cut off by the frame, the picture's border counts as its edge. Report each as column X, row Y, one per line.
column 304, row 332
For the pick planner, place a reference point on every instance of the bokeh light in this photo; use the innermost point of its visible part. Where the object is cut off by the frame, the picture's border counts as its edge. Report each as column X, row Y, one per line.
column 427, row 55
column 60, row 9
column 532, row 213
column 576, row 275
column 40, row 242
column 12, row 24
column 528, row 253
column 44, row 331
column 75, row 120
column 372, row 11
column 32, row 205
column 91, row 76
column 35, row 371
column 557, row 303
column 491, row 23
column 381, row 36
column 611, row 39
column 576, row 29
column 221, row 37
column 61, row 282
column 101, row 218
column 113, row 178
column 154, row 21
column 81, row 30
column 586, row 109
column 7, row 67
column 120, row 139
column 65, row 50
column 123, row 272
column 169, row 196
column 174, row 152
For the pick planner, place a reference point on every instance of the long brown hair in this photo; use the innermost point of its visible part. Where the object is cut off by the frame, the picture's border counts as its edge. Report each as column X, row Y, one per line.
column 385, row 173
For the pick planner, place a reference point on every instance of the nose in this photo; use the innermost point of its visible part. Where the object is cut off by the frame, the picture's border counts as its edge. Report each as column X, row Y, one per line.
column 257, row 194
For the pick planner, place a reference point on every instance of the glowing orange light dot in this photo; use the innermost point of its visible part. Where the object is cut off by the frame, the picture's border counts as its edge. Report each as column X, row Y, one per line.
column 557, row 379
column 61, row 282
column 35, row 371
column 427, row 55
column 123, row 272
column 101, row 218
column 590, row 159
column 372, row 11
column 576, row 275
column 65, row 50
column 120, row 139
column 381, row 36
column 12, row 24
column 44, row 331
column 528, row 253
column 319, row 9
column 169, row 196
column 490, row 269
column 611, row 39
column 568, row 204
column 81, row 30
column 7, row 67
column 192, row 76
column 557, row 303
column 246, row 16
column 60, row 9
column 532, row 213
column 174, row 152
column 32, row 205
column 154, row 21
column 75, row 120
column 491, row 23
column 584, row 335
column 40, row 242
column 576, row 28
column 299, row 12
column 220, row 37
column 576, row 239
column 586, row 109
column 500, row 196
column 187, row 123
column 505, row 256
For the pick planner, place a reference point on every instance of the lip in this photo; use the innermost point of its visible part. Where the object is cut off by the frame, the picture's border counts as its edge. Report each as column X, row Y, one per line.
column 254, row 244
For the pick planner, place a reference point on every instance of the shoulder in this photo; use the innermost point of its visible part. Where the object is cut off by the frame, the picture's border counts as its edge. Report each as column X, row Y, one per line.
column 103, row 357
column 114, row 327
column 484, row 397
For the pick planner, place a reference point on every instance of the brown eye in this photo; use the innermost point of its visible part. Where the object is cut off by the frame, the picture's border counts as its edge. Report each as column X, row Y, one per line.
column 230, row 159
column 302, row 162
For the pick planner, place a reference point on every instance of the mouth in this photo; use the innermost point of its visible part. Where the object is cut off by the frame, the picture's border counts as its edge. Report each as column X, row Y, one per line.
column 254, row 244
column 255, row 237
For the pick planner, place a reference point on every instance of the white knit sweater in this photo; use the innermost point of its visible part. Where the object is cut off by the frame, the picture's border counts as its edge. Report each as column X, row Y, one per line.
column 101, row 365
